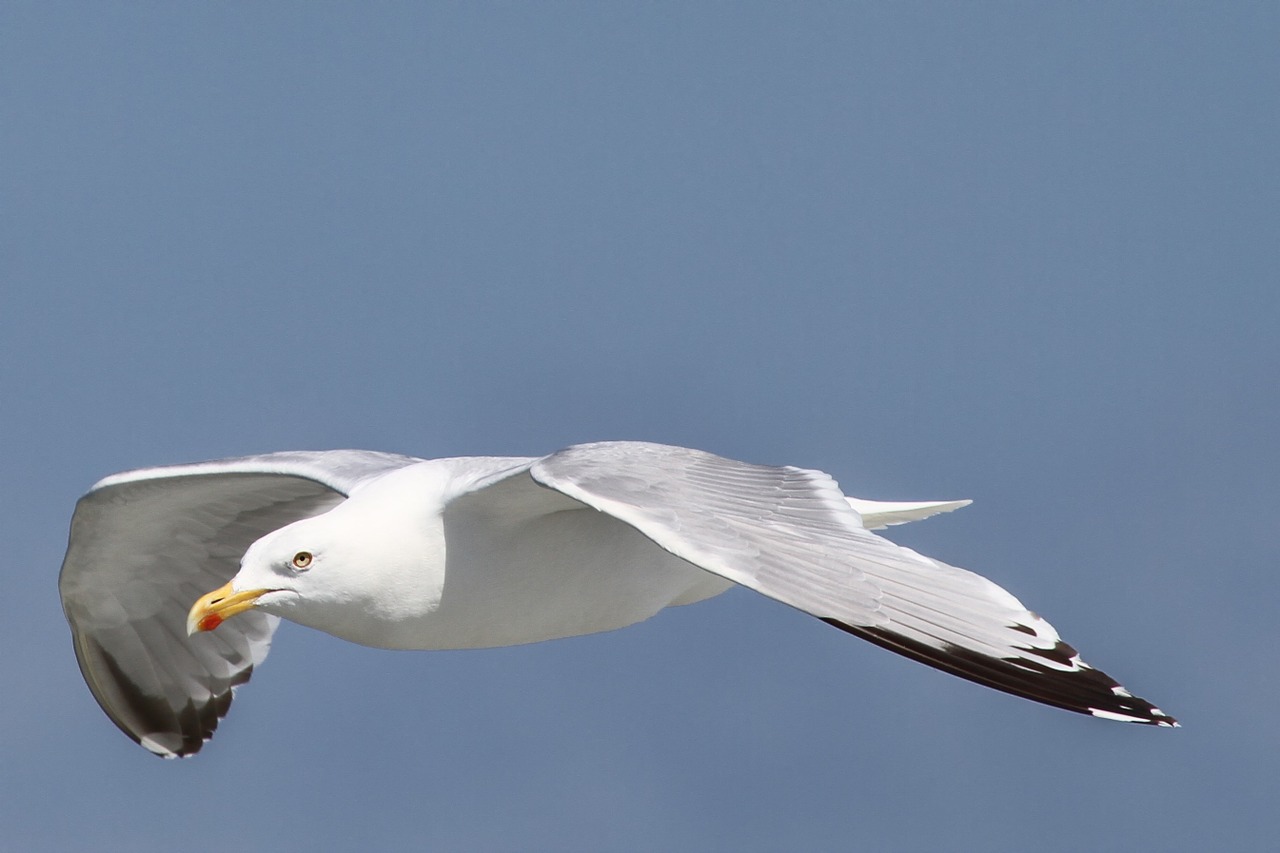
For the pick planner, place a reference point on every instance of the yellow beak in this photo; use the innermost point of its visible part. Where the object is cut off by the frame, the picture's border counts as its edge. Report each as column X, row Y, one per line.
column 213, row 608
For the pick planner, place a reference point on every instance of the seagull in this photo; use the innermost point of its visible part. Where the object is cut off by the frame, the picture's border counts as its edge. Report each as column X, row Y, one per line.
column 399, row 552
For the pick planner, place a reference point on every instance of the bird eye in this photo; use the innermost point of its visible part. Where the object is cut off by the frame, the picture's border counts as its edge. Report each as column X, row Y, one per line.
column 302, row 560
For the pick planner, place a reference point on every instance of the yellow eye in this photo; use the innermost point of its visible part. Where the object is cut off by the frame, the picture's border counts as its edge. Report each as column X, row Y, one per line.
column 302, row 560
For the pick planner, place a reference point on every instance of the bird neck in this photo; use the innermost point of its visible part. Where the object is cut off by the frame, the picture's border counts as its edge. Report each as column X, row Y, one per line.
column 394, row 559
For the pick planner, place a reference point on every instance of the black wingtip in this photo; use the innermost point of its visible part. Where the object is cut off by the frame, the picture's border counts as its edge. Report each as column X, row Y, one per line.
column 151, row 722
column 1071, row 685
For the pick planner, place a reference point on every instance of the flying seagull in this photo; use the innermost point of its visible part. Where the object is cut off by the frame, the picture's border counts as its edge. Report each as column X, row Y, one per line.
column 469, row 552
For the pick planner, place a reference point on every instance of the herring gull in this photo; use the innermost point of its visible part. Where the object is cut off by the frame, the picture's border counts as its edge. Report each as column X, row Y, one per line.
column 405, row 553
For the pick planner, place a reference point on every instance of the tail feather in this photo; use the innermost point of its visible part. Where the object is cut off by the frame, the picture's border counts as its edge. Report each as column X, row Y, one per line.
column 880, row 514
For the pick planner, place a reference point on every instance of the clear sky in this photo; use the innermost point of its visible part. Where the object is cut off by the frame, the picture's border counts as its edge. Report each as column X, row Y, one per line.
column 1020, row 253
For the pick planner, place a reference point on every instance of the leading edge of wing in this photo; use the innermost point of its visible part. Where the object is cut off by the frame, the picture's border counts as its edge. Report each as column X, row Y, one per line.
column 340, row 470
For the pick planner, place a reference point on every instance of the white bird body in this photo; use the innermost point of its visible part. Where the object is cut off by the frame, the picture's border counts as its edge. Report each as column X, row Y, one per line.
column 398, row 552
column 520, row 566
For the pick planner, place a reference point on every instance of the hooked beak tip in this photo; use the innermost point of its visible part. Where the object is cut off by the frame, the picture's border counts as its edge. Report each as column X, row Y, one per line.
column 214, row 608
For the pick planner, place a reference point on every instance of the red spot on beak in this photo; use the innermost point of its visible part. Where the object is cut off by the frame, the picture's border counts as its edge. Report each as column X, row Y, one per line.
column 209, row 621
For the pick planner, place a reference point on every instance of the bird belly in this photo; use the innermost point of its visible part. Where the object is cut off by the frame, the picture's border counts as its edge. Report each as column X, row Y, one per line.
column 560, row 575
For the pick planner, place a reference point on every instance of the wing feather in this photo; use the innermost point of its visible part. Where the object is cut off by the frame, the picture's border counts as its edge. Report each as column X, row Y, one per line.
column 145, row 544
column 790, row 534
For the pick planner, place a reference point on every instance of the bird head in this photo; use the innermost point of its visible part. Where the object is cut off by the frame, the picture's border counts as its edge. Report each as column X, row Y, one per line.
column 277, row 573
column 351, row 572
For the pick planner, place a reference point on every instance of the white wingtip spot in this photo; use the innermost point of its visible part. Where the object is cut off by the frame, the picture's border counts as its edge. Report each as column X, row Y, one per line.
column 1123, row 718
column 155, row 743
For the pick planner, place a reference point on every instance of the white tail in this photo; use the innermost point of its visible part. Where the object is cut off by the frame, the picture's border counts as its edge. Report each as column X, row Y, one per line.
column 879, row 514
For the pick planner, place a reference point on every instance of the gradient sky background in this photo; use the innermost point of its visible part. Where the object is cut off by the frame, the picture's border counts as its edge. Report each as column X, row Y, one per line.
column 1024, row 254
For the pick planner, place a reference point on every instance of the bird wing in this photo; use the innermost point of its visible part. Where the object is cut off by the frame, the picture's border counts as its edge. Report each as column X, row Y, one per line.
column 145, row 544
column 790, row 534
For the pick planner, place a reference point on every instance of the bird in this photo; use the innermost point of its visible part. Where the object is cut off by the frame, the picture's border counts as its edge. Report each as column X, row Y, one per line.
column 176, row 577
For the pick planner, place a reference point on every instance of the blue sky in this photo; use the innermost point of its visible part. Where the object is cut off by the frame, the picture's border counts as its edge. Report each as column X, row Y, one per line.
column 1024, row 254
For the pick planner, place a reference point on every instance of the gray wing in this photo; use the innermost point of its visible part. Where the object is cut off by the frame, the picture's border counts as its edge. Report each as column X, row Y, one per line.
column 790, row 534
column 146, row 544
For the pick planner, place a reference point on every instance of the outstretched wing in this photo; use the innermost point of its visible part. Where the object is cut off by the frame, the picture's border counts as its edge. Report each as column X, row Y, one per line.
column 790, row 534
column 146, row 544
